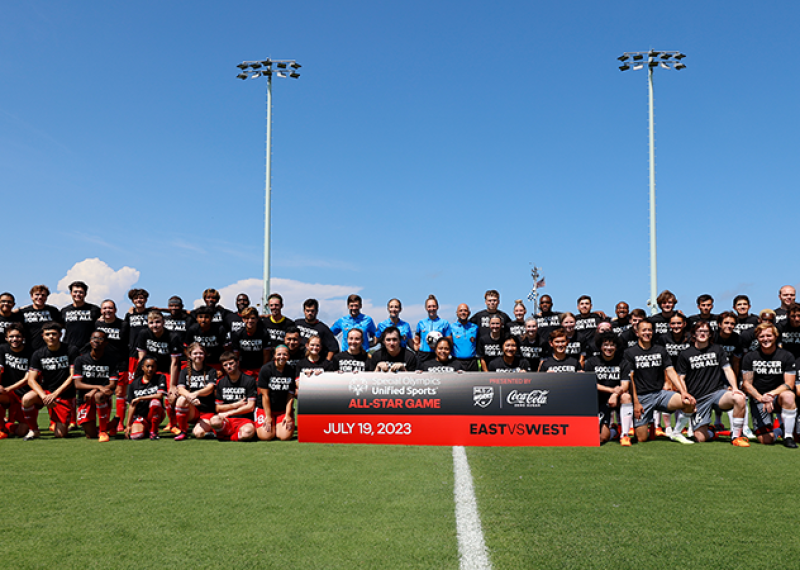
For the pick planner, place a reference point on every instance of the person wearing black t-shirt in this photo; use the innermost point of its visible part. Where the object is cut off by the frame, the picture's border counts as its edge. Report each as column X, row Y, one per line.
column 575, row 346
column 166, row 348
column 744, row 320
column 591, row 346
column 517, row 326
column 251, row 343
column 218, row 313
column 622, row 321
column 355, row 358
column 709, row 378
column 790, row 331
column 293, row 342
column 37, row 314
column 769, row 375
column 79, row 317
column 648, row 365
column 510, row 361
column 705, row 304
column 116, row 344
column 14, row 364
column 177, row 318
column 748, row 337
column 490, row 342
column 235, row 402
column 145, row 400
column 210, row 335
column 50, row 380
column 310, row 326
column 7, row 315
column 677, row 339
column 530, row 346
column 547, row 319
column 96, row 373
column 559, row 361
column 196, row 386
column 443, row 363
column 313, row 363
column 666, row 301
column 276, row 393
column 391, row 356
column 235, row 321
column 612, row 387
column 586, row 321
column 628, row 337
column 135, row 322
column 787, row 296
column 482, row 318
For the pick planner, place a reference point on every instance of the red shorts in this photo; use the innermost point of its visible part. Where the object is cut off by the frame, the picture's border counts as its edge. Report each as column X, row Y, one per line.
column 87, row 413
column 133, row 362
column 14, row 407
column 230, row 431
column 142, row 420
column 261, row 417
column 250, row 372
column 61, row 412
column 206, row 416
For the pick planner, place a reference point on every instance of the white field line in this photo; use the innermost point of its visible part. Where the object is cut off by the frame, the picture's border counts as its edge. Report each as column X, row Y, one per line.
column 471, row 546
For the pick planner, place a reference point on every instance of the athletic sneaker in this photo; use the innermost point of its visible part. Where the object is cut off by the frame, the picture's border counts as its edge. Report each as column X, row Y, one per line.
column 181, row 436
column 680, row 438
column 103, row 437
column 740, row 442
column 625, row 441
column 789, row 442
column 631, row 431
column 3, row 435
column 175, row 429
column 660, row 432
column 112, row 428
column 154, row 436
column 748, row 433
column 52, row 426
column 668, row 431
column 30, row 436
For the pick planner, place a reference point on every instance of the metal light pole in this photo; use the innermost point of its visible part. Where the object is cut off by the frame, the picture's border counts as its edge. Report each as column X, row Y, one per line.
column 251, row 70
column 667, row 60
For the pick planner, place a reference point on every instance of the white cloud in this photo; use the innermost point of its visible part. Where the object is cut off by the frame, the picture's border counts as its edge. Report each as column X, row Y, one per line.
column 332, row 300
column 103, row 282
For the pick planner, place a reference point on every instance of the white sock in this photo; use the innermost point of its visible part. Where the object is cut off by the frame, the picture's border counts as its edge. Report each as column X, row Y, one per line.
column 731, row 418
column 737, row 424
column 683, row 421
column 666, row 418
column 789, row 417
column 626, row 413
column 657, row 419
column 747, row 413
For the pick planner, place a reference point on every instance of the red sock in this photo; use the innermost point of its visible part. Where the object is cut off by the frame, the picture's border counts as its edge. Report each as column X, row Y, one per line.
column 155, row 415
column 31, row 415
column 3, row 418
column 173, row 421
column 121, row 409
column 103, row 412
column 182, row 415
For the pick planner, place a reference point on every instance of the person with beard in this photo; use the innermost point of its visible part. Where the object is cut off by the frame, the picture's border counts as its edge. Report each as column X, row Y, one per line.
column 310, row 326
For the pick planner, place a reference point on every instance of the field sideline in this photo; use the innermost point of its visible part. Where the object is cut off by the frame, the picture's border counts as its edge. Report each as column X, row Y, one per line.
column 156, row 504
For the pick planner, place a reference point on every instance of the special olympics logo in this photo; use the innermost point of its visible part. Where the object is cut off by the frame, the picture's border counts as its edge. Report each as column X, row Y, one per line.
column 482, row 395
column 357, row 385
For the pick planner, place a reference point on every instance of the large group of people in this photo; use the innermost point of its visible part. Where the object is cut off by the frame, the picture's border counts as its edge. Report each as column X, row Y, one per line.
column 234, row 374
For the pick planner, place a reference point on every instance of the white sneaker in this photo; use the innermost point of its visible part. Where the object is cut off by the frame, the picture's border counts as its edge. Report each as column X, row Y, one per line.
column 668, row 431
column 748, row 433
column 680, row 438
column 30, row 436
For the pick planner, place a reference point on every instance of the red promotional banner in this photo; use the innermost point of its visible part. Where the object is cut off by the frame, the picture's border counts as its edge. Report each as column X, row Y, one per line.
column 476, row 409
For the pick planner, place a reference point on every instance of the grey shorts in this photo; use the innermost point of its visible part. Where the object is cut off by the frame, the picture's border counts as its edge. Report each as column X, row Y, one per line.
column 763, row 420
column 702, row 413
column 653, row 401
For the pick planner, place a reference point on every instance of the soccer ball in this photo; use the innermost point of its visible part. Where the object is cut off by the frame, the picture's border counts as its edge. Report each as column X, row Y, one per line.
column 432, row 338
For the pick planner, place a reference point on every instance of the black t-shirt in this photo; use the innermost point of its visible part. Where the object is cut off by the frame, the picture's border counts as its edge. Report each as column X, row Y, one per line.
column 553, row 365
column 79, row 323
column 138, row 388
column 219, row 317
column 197, row 381
column 768, row 369
column 748, row 340
column 548, row 322
column 648, row 367
column 116, row 339
column 731, row 345
column 234, row 322
column 250, row 347
column 53, row 367
column 518, row 364
column 610, row 373
column 674, row 347
column 34, row 320
column 405, row 356
column 98, row 372
column 13, row 318
column 531, row 350
column 618, row 326
column 660, row 323
column 482, row 318
column 305, row 364
column 745, row 323
column 789, row 338
column 163, row 349
column 134, row 324
column 435, row 367
column 711, row 320
column 177, row 323
column 320, row 329
column 628, row 337
column 780, row 315
column 487, row 347
column 516, row 329
column 276, row 331
column 586, row 325
column 213, row 340
column 702, row 368
column 280, row 386
column 230, row 392
column 14, row 366
column 346, row 362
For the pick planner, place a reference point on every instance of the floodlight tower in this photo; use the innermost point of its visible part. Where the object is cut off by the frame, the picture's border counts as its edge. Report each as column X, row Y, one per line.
column 667, row 60
column 252, row 70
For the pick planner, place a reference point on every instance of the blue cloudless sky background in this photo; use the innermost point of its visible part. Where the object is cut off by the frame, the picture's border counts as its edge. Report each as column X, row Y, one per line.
column 428, row 147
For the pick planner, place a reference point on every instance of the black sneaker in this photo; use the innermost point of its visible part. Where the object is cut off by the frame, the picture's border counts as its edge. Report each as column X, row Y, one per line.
column 789, row 442
column 154, row 436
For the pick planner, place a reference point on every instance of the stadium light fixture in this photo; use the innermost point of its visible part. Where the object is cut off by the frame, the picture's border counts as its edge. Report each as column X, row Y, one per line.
column 668, row 60
column 265, row 69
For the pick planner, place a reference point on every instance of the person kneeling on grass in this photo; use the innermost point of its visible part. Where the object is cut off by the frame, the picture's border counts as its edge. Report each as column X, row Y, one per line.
column 612, row 387
column 235, row 401
column 95, row 380
column 196, row 385
column 709, row 378
column 276, row 392
column 145, row 400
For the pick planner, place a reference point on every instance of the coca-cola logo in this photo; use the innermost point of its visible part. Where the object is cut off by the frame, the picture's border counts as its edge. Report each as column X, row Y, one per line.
column 532, row 399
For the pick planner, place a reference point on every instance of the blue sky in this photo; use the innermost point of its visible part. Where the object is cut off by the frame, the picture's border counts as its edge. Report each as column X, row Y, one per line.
column 428, row 147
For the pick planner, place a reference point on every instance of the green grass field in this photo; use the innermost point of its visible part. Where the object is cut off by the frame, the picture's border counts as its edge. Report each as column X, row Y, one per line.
column 207, row 504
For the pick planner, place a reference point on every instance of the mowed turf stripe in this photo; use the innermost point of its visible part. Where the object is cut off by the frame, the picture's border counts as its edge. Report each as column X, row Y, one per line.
column 471, row 546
